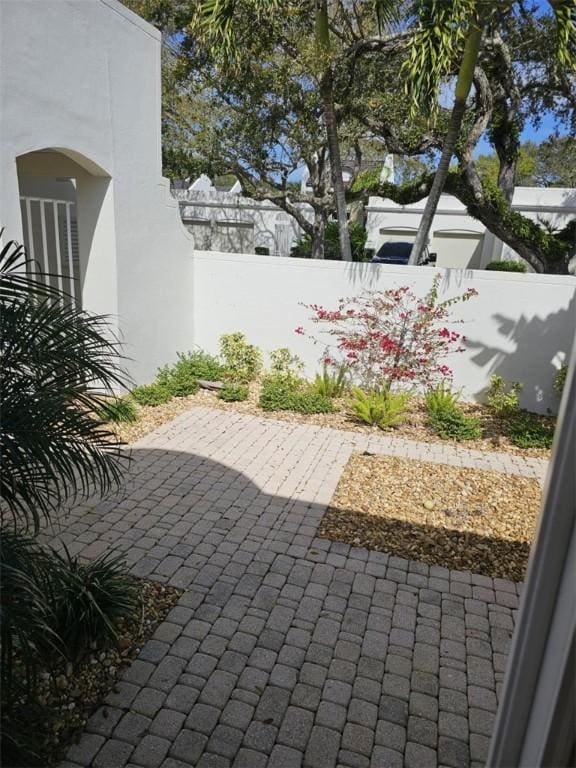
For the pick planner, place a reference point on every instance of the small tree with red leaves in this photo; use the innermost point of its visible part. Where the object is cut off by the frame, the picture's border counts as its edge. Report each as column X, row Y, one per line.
column 391, row 337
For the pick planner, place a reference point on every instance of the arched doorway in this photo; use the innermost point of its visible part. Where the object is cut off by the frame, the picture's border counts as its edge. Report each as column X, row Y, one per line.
column 66, row 204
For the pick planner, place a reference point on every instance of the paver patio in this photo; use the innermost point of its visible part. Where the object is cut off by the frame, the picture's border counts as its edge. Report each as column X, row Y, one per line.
column 288, row 650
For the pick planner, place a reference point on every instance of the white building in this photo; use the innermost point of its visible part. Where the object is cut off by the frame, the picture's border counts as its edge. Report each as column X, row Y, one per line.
column 80, row 167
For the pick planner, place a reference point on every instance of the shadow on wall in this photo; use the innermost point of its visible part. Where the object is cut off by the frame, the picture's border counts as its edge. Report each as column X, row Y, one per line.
column 540, row 345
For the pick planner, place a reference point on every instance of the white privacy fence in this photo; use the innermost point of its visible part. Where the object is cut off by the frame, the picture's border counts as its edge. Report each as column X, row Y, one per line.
column 520, row 325
column 51, row 241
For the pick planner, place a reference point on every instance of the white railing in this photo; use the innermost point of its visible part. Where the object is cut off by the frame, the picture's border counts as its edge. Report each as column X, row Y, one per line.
column 52, row 246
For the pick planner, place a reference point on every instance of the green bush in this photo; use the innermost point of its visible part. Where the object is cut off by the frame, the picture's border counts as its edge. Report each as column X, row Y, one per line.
column 310, row 401
column 276, row 392
column 181, row 378
column 151, row 394
column 455, row 425
column 286, row 365
column 231, row 393
column 502, row 396
column 560, row 379
column 358, row 236
column 119, row 410
column 330, row 384
column 243, row 361
column 441, row 399
column 506, row 266
column 527, row 430
column 382, row 408
column 89, row 598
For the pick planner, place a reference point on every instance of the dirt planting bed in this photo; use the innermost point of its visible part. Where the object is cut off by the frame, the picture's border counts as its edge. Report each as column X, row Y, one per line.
column 414, row 428
column 462, row 519
column 67, row 697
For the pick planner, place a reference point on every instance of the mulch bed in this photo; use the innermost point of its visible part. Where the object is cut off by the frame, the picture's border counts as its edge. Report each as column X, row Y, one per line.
column 462, row 519
column 414, row 428
column 69, row 696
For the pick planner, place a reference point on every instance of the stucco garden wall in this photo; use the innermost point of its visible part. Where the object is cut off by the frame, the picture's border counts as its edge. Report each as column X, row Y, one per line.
column 520, row 326
column 81, row 78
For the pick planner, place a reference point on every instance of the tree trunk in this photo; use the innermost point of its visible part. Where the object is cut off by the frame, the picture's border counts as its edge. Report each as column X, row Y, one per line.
column 463, row 85
column 326, row 91
column 318, row 236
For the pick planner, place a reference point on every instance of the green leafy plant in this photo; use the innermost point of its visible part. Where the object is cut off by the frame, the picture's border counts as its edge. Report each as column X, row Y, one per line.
column 119, row 410
column 181, row 378
column 151, row 394
column 441, row 399
column 330, row 383
column 243, row 361
column 57, row 361
column 277, row 392
column 527, row 430
column 560, row 379
column 283, row 363
column 26, row 615
column 310, row 401
column 231, row 392
column 89, row 599
column 382, row 408
column 453, row 424
column 507, row 266
column 503, row 396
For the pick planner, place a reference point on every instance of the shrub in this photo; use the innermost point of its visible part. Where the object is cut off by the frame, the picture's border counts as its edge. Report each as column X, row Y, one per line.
column 358, row 236
column 310, row 401
column 151, row 394
column 119, row 410
column 527, row 430
column 502, row 396
column 330, row 384
column 392, row 336
column 181, row 378
column 382, row 408
column 243, row 361
column 231, row 393
column 560, row 379
column 441, row 399
column 277, row 392
column 286, row 365
column 453, row 424
column 507, row 266
column 89, row 599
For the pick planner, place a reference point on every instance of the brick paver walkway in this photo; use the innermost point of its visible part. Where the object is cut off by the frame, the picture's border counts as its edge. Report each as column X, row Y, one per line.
column 288, row 650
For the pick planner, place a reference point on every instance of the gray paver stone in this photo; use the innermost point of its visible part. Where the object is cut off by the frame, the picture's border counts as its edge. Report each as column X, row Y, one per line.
column 83, row 752
column 296, row 727
column 391, row 735
column 151, row 751
column 394, row 710
column 383, row 757
column 422, row 731
column 248, row 758
column 322, row 749
column 358, row 738
column 419, row 756
column 260, row 736
column 453, row 725
column 285, row 757
column 238, row 714
column 331, row 715
column 188, row 746
column 114, row 752
column 363, row 713
column 167, row 723
column 225, row 741
column 203, row 718
column 218, row 688
column 132, row 727
column 453, row 753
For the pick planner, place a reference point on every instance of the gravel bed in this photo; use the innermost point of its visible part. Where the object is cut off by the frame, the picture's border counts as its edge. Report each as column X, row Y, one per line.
column 68, row 696
column 462, row 519
column 414, row 428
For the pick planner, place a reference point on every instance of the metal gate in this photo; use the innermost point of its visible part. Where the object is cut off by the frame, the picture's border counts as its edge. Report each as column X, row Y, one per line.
column 51, row 240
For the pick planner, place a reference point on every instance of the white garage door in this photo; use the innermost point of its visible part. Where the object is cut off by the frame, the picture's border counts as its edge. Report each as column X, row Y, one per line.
column 460, row 250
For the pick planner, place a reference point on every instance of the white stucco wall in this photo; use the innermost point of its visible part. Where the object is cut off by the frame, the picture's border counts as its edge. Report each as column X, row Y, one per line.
column 201, row 204
column 82, row 77
column 520, row 326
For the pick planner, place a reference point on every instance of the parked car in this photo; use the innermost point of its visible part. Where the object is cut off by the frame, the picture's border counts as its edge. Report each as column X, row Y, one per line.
column 398, row 252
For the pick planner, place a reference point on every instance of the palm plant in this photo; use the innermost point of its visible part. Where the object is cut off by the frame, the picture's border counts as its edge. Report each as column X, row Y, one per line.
column 447, row 32
column 57, row 364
